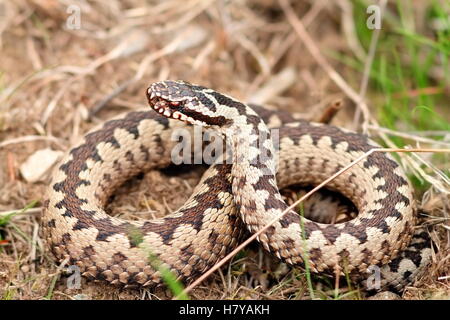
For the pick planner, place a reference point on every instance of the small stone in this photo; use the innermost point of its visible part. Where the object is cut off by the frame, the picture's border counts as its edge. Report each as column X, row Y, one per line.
column 25, row 269
column 385, row 295
column 38, row 164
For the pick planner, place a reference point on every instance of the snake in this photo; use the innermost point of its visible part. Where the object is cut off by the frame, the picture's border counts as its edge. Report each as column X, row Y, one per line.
column 238, row 194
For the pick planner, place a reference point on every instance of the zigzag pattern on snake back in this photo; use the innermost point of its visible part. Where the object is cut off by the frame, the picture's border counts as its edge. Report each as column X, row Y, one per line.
column 229, row 197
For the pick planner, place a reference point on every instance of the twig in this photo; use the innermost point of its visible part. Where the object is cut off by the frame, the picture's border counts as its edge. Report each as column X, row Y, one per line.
column 348, row 28
column 408, row 136
column 34, row 244
column 54, row 102
column 255, row 52
column 102, row 103
column 29, row 211
column 317, row 55
column 11, row 166
column 296, row 203
column 276, row 84
column 31, row 139
column 55, row 277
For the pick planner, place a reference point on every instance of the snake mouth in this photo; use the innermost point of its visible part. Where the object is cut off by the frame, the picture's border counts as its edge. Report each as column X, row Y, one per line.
column 168, row 109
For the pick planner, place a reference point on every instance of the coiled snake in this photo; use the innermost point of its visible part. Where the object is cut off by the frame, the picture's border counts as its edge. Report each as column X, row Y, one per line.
column 230, row 197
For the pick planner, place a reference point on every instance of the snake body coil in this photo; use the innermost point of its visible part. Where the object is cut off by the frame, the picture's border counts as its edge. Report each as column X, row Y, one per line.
column 229, row 197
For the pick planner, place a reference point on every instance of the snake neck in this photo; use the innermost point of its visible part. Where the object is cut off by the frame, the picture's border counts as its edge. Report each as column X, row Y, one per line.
column 254, row 169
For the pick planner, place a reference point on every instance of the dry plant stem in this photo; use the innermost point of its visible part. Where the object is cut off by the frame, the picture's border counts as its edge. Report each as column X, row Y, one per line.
column 31, row 139
column 316, row 54
column 11, row 167
column 368, row 64
column 29, row 211
column 412, row 136
column 102, row 103
column 349, row 30
column 412, row 165
column 296, row 203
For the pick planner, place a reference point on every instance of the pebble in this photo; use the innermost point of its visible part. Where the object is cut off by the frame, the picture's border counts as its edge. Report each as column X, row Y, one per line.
column 385, row 295
column 38, row 164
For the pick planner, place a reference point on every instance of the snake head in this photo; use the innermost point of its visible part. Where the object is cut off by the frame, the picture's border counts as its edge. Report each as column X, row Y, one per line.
column 184, row 101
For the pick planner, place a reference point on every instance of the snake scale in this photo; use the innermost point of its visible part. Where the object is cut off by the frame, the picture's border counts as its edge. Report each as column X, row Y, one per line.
column 231, row 196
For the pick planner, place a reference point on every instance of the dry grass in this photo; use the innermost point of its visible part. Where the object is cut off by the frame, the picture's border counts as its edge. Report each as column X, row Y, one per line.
column 56, row 83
